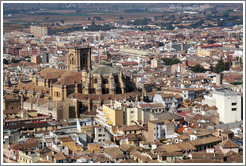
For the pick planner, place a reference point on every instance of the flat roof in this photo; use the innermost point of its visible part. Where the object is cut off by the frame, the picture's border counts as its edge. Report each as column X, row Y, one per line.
column 225, row 92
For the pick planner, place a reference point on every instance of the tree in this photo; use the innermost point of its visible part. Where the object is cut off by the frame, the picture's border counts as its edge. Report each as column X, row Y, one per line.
column 237, row 83
column 170, row 61
column 220, row 67
column 5, row 61
column 227, row 65
column 198, row 69
column 13, row 61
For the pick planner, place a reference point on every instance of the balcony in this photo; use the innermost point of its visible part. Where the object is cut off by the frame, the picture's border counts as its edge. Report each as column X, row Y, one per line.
column 101, row 117
column 104, row 124
column 101, row 112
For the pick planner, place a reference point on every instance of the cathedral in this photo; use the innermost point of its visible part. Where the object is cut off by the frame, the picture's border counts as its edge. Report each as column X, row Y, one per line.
column 81, row 88
column 102, row 80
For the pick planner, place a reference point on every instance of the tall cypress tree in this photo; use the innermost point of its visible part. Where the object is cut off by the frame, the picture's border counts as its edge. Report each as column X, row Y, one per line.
column 220, row 67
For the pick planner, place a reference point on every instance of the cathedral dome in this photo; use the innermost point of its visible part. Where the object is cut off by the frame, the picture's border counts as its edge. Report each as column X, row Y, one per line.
column 103, row 68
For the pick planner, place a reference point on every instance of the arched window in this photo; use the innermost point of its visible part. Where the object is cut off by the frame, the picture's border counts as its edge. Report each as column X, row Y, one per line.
column 72, row 60
column 105, row 81
column 105, row 91
column 116, row 79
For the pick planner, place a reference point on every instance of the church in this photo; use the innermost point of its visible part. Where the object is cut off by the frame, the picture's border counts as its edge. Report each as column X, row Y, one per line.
column 81, row 88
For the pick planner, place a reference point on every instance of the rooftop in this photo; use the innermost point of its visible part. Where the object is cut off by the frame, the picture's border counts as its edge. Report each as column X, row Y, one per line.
column 225, row 92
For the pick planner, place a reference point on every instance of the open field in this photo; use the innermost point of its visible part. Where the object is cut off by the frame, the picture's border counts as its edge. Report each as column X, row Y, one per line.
column 82, row 14
column 70, row 17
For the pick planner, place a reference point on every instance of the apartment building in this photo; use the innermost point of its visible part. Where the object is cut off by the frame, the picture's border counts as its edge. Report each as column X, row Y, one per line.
column 110, row 116
column 160, row 129
column 228, row 103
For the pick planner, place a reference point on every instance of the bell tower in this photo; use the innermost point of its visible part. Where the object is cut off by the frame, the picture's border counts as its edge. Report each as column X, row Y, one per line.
column 79, row 58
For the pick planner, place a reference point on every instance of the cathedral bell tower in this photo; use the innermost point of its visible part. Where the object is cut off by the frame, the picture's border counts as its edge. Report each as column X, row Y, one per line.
column 79, row 58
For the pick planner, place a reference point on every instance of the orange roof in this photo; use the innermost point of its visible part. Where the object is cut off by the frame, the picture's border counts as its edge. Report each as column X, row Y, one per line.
column 65, row 139
column 211, row 45
column 228, row 144
column 60, row 156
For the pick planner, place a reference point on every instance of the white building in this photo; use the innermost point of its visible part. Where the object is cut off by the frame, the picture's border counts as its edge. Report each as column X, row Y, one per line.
column 160, row 129
column 101, row 135
column 228, row 104
column 155, row 63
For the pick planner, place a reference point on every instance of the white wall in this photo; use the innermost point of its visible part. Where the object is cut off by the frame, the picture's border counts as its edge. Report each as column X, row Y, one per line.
column 224, row 105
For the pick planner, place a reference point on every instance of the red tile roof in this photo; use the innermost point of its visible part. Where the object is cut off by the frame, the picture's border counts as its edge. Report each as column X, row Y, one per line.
column 185, row 114
column 129, row 63
column 211, row 45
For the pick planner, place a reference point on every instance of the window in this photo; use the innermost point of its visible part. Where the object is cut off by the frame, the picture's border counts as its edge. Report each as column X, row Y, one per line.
column 132, row 112
column 92, row 90
column 234, row 109
column 57, row 94
column 233, row 103
column 105, row 91
column 164, row 158
column 99, row 135
column 105, row 81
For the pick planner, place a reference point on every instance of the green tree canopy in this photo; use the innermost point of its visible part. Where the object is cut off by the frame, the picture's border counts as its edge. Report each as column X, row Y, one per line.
column 220, row 67
column 5, row 61
column 170, row 61
column 198, row 69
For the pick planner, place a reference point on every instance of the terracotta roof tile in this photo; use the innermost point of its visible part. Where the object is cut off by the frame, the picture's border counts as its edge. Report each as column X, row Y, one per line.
column 59, row 156
column 114, row 152
column 186, row 146
column 65, row 139
column 130, row 128
column 228, row 144
column 171, row 154
column 30, row 143
column 32, row 87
